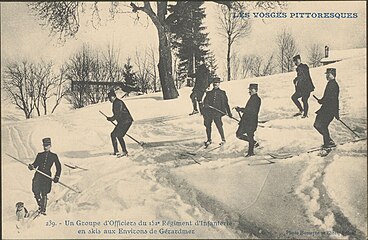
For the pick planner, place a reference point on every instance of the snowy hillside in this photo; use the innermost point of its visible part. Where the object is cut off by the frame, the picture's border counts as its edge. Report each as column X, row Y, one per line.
column 305, row 192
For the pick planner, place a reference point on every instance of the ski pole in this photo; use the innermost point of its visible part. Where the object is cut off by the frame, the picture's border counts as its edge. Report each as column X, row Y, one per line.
column 238, row 113
column 135, row 140
column 222, row 113
column 349, row 128
column 44, row 174
column 342, row 122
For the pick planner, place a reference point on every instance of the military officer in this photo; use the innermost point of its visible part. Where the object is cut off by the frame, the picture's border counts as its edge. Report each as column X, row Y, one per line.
column 41, row 185
column 124, row 119
column 200, row 86
column 249, row 120
column 303, row 86
column 329, row 109
column 215, row 106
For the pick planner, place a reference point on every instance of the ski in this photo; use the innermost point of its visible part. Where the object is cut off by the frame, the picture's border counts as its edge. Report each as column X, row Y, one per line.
column 121, row 155
column 33, row 216
column 325, row 152
column 267, row 158
column 75, row 167
column 321, row 148
column 281, row 118
column 201, row 152
column 280, row 155
column 202, row 149
column 328, row 150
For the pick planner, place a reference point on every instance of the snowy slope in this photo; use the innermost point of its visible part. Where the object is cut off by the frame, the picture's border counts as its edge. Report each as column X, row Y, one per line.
column 141, row 186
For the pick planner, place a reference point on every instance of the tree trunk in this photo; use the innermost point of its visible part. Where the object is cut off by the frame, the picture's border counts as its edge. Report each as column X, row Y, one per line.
column 45, row 106
column 228, row 60
column 165, row 66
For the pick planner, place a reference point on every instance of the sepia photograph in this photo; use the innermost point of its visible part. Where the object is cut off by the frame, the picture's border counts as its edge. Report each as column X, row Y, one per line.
column 183, row 120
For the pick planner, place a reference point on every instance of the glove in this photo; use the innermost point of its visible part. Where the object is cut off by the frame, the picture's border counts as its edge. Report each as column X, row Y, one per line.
column 56, row 179
column 109, row 119
column 30, row 167
column 237, row 109
column 319, row 101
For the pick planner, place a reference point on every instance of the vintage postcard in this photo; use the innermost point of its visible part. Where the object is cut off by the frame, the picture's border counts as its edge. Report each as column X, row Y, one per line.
column 184, row 120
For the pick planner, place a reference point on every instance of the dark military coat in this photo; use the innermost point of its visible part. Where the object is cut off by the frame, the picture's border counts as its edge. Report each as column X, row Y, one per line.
column 216, row 98
column 44, row 161
column 249, row 120
column 202, row 79
column 330, row 100
column 121, row 112
column 303, row 80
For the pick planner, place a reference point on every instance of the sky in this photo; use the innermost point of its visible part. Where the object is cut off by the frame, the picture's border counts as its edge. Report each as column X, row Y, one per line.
column 22, row 37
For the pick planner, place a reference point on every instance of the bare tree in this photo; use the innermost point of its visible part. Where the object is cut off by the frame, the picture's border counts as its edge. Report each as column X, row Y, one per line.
column 153, row 67
column 112, row 67
column 255, row 66
column 315, row 54
column 60, row 89
column 287, row 49
column 80, row 68
column 269, row 66
column 235, row 65
column 232, row 29
column 246, row 66
column 143, row 72
column 46, row 81
column 19, row 83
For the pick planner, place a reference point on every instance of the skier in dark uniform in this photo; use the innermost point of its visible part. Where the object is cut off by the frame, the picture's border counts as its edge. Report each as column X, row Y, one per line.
column 249, row 120
column 200, row 86
column 329, row 109
column 124, row 119
column 303, row 87
column 41, row 185
column 215, row 105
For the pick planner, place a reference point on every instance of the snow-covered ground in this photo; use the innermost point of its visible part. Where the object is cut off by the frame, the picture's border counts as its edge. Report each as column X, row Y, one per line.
column 156, row 183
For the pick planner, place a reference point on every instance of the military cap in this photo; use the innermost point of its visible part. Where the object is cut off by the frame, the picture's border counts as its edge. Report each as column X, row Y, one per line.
column 296, row 57
column 216, row 80
column 332, row 71
column 111, row 93
column 46, row 141
column 253, row 86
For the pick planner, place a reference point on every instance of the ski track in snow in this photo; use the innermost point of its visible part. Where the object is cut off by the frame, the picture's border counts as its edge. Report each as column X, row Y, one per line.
column 320, row 209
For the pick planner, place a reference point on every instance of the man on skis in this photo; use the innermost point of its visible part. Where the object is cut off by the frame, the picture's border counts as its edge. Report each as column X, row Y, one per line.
column 303, row 87
column 41, row 185
column 124, row 119
column 329, row 109
column 249, row 120
column 215, row 105
column 200, row 86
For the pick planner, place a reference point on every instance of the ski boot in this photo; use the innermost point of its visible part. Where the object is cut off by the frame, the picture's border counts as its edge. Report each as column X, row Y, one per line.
column 207, row 143
column 123, row 154
column 298, row 114
column 249, row 155
column 222, row 142
column 194, row 112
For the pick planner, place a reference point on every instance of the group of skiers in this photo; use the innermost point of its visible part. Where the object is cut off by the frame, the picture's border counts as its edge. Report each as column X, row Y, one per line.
column 213, row 107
